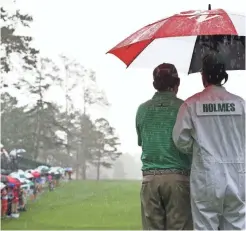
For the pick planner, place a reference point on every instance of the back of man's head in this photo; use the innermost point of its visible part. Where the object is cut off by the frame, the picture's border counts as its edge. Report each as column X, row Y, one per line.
column 165, row 77
column 214, row 69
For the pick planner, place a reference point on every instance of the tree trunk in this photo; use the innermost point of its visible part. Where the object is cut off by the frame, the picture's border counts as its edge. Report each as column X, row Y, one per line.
column 38, row 129
column 77, row 172
column 98, row 169
column 37, row 141
column 77, row 166
column 83, row 168
column 68, row 145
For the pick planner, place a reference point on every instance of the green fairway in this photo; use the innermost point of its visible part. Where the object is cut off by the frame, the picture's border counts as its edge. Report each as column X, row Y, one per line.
column 83, row 205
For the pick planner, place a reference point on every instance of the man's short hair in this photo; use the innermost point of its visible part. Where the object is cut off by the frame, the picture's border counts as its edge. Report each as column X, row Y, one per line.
column 165, row 77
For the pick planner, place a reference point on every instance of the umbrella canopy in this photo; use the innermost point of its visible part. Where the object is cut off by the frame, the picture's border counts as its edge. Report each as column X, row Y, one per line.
column 28, row 182
column 68, row 169
column 28, row 175
column 22, row 180
column 21, row 171
column 36, row 174
column 17, row 176
column 9, row 179
column 21, row 174
column 61, row 170
column 231, row 48
column 56, row 170
column 43, row 168
column 25, row 186
column 14, row 181
column 14, row 174
column 172, row 40
column 2, row 185
column 36, row 170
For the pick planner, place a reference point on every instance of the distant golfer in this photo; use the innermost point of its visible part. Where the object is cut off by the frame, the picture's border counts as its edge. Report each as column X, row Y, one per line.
column 211, row 126
column 165, row 192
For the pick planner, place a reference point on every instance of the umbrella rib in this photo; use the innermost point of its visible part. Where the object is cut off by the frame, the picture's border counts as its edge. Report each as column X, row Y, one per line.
column 192, row 56
column 150, row 41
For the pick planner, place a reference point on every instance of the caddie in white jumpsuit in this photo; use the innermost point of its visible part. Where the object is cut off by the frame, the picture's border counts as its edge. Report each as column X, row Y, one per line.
column 211, row 126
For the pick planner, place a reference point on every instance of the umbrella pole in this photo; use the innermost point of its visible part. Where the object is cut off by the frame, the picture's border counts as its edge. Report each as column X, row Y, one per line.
column 209, row 6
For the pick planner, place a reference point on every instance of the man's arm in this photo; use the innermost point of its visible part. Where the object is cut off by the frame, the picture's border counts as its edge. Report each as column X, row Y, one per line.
column 137, row 127
column 183, row 127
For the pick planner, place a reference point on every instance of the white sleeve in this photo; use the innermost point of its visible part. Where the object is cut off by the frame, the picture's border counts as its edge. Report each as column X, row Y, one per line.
column 183, row 127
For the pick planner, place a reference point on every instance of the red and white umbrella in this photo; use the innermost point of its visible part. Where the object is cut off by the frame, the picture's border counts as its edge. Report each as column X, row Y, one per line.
column 173, row 39
column 35, row 174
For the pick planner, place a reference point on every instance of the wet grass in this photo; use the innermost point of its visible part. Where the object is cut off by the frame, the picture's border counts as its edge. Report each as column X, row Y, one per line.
column 80, row 205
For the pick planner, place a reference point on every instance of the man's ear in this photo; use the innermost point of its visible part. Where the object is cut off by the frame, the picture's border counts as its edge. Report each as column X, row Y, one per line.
column 154, row 85
column 178, row 82
column 176, row 89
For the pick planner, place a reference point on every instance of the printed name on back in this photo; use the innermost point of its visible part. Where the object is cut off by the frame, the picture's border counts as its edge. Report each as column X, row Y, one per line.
column 219, row 108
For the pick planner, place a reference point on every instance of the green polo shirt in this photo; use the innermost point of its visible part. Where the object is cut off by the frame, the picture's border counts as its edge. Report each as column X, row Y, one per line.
column 154, row 123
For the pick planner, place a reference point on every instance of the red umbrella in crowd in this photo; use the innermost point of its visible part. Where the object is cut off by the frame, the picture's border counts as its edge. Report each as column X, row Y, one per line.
column 14, row 181
column 35, row 174
column 202, row 31
column 9, row 179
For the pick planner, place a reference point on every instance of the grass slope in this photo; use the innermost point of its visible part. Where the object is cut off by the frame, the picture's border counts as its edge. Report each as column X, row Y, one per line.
column 83, row 205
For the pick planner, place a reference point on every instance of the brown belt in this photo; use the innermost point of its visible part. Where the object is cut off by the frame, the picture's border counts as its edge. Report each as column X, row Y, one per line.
column 166, row 171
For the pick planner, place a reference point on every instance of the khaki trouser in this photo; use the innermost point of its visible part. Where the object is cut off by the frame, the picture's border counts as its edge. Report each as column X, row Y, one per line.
column 165, row 202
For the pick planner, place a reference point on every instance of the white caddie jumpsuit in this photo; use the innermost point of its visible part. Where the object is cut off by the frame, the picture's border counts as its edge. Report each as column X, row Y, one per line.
column 211, row 126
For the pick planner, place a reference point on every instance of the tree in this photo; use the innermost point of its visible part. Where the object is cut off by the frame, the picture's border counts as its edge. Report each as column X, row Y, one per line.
column 70, row 81
column 18, row 131
column 14, row 124
column 106, row 150
column 84, row 139
column 84, row 80
column 12, row 43
column 77, row 78
column 65, row 123
column 91, row 95
column 44, row 129
column 42, row 114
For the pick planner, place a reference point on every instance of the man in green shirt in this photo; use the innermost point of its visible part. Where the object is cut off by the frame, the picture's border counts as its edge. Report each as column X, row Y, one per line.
column 165, row 192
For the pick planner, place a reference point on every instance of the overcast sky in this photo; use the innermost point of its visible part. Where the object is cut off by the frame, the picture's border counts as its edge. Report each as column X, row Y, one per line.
column 87, row 29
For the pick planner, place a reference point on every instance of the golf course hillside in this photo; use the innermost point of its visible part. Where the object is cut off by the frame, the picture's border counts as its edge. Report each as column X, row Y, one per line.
column 80, row 205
